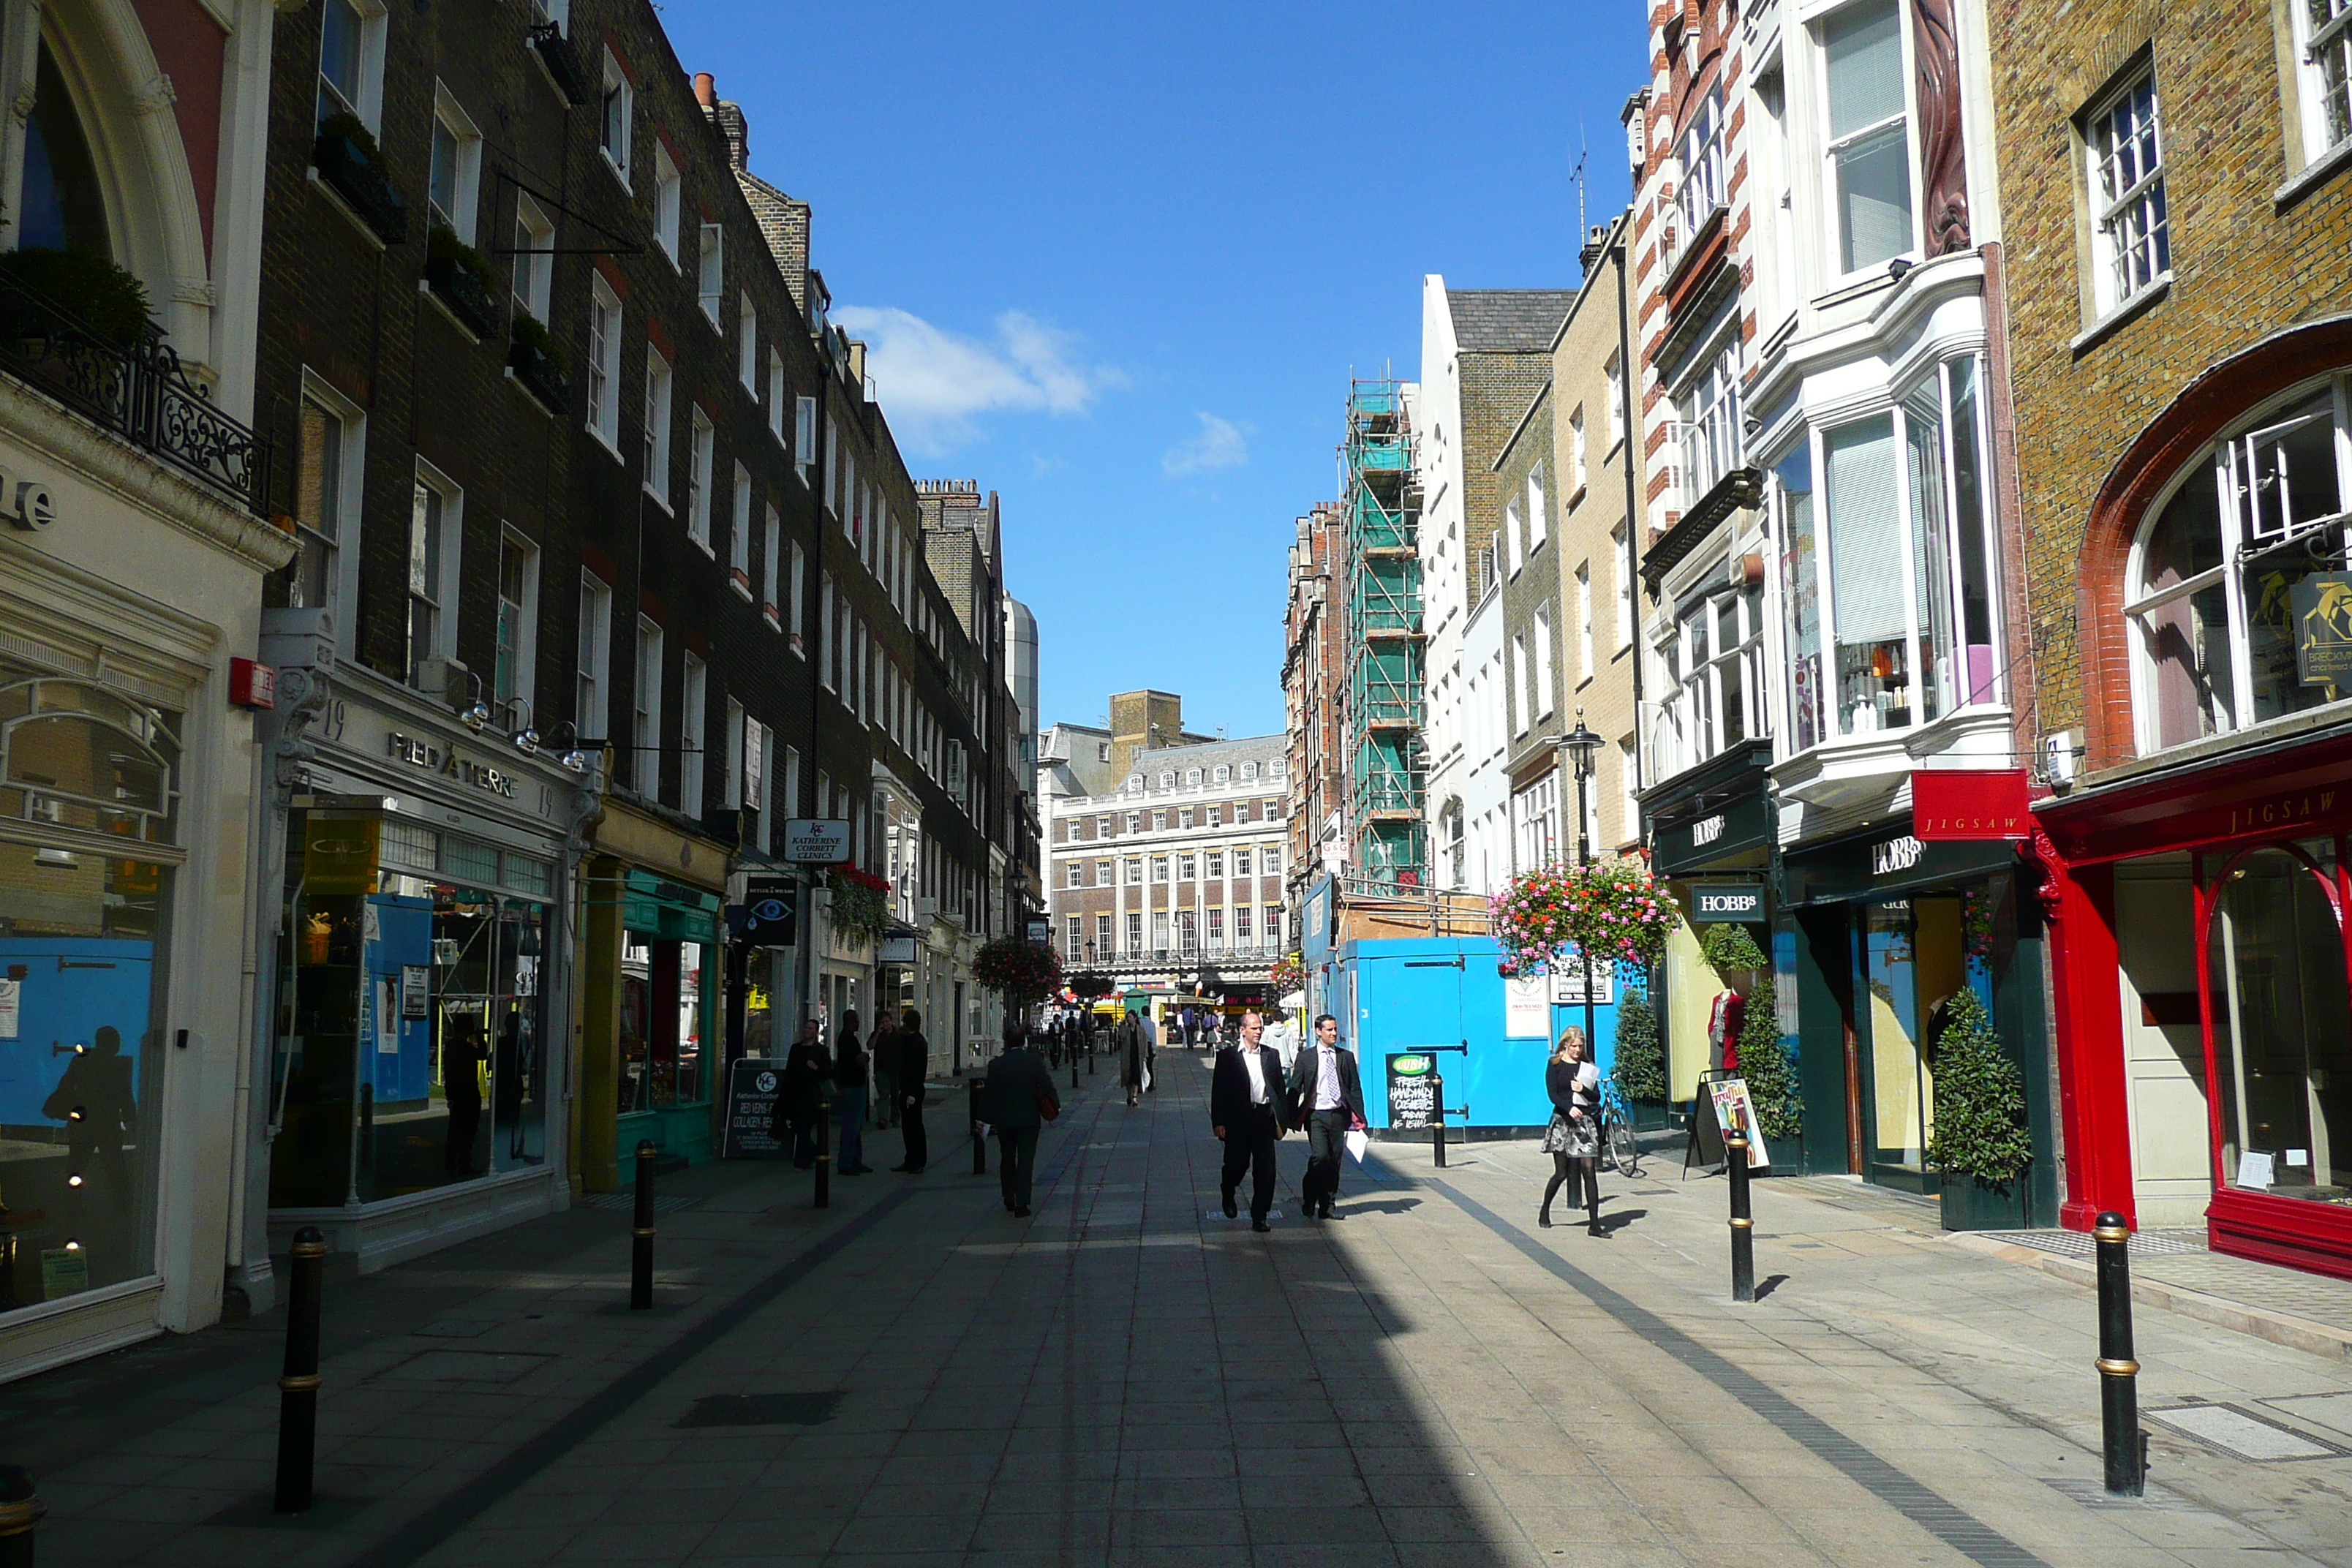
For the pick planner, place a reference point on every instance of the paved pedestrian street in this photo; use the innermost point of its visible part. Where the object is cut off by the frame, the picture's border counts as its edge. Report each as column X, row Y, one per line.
column 915, row 1377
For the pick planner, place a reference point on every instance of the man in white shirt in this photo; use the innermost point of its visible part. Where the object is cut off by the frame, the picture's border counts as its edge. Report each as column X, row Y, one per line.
column 1248, row 1102
column 1330, row 1103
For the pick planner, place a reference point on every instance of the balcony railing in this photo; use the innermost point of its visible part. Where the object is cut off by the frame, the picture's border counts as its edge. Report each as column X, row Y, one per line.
column 137, row 391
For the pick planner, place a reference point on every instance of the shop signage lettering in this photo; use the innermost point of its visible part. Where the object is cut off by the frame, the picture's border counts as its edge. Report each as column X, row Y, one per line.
column 26, row 503
column 1707, row 830
column 2322, row 602
column 1895, row 854
column 816, row 841
column 1969, row 804
column 1729, row 901
column 445, row 761
column 1413, row 1090
column 2282, row 812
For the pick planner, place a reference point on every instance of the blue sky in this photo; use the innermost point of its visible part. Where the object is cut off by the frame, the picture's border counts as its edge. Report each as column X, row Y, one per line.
column 1117, row 263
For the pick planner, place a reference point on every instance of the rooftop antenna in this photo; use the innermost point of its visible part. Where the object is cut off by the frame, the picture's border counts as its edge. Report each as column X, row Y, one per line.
column 1577, row 174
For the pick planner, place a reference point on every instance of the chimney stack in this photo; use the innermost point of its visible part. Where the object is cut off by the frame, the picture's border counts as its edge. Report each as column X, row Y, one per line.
column 727, row 117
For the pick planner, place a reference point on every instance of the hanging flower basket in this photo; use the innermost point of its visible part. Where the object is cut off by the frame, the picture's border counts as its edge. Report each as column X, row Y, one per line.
column 1019, row 969
column 1612, row 909
column 1286, row 975
column 861, row 902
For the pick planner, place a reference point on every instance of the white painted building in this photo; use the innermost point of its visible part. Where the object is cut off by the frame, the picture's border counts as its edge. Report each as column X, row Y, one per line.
column 1445, row 574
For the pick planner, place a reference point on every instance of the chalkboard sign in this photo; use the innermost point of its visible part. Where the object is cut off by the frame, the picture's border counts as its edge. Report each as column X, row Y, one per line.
column 752, row 1087
column 1413, row 1090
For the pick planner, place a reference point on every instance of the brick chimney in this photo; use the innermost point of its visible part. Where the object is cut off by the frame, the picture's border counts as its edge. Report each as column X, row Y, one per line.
column 727, row 117
column 784, row 222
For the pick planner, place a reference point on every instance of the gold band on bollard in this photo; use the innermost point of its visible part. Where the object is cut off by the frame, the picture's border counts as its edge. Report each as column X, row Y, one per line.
column 304, row 1384
column 2112, row 1233
column 1743, row 1225
column 648, row 1231
column 309, row 1249
column 2118, row 1368
column 16, row 1518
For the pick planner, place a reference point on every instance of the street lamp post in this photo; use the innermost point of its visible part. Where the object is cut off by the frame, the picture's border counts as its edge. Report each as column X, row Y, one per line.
column 1580, row 743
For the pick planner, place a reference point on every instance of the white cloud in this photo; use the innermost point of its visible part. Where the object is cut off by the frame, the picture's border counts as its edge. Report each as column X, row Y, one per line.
column 1220, row 444
column 935, row 384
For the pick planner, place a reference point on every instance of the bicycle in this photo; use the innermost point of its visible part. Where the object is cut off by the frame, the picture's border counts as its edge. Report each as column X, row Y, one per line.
column 1618, row 1145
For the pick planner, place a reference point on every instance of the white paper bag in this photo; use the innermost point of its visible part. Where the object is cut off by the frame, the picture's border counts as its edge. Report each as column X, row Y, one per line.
column 1357, row 1143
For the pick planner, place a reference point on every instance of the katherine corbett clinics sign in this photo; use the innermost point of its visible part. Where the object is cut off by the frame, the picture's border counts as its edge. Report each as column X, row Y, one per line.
column 1970, row 805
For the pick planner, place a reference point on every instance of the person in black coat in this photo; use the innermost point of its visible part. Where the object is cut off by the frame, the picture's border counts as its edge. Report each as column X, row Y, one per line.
column 1246, row 1105
column 914, row 1053
column 1329, row 1103
column 1573, row 1139
column 1013, row 1102
column 802, row 1099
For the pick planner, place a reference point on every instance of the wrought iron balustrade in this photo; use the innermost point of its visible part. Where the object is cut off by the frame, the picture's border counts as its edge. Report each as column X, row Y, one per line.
column 137, row 391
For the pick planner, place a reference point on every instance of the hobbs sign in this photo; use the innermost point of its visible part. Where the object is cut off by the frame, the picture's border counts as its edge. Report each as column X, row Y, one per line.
column 1726, row 903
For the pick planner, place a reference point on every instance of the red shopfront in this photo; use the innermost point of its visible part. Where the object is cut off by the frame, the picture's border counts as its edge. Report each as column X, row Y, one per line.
column 2203, row 967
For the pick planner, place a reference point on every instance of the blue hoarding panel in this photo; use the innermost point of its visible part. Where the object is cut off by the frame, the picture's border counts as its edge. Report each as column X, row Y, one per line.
column 66, row 989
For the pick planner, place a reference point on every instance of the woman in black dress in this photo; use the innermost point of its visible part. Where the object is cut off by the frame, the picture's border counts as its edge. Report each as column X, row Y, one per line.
column 1573, row 1139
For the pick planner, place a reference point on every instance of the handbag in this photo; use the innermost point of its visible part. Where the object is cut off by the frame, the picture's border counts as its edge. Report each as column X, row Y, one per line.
column 1048, row 1108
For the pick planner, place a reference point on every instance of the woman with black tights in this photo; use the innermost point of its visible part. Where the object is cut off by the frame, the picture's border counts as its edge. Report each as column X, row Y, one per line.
column 1573, row 1138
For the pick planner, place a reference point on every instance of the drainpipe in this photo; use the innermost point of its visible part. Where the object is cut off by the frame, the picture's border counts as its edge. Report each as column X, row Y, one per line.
column 1626, row 384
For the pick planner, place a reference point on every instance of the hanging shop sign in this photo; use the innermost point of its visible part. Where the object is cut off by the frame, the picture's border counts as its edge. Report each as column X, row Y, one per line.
column 1413, row 1090
column 1969, row 804
column 895, row 949
column 771, row 910
column 2323, row 629
column 816, row 841
column 1567, row 982
column 1721, row 902
column 1038, row 929
column 1892, row 856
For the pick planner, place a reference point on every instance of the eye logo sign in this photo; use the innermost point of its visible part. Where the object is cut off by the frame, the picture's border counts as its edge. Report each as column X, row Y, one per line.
column 767, row 909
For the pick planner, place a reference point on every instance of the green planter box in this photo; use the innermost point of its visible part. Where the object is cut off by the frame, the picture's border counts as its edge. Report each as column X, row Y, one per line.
column 1969, row 1204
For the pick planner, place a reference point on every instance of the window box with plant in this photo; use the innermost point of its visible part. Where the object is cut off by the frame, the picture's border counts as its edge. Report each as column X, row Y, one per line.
column 460, row 277
column 531, row 355
column 350, row 163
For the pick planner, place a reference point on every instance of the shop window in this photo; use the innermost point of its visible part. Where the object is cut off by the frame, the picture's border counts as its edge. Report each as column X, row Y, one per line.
column 1869, row 170
column 1908, row 612
column 2220, row 565
column 663, row 984
column 410, row 1047
column 2281, row 1022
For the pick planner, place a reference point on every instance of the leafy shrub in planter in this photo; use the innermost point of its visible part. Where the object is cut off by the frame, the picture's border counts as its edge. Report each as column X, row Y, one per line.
column 1641, row 1066
column 90, row 290
column 1980, row 1129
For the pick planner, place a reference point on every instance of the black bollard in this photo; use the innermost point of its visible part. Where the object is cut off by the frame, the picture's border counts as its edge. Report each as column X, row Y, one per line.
column 20, row 1509
column 641, row 1257
column 1090, row 1056
column 298, row 1386
column 1074, row 1063
column 1743, row 1226
column 979, row 1141
column 1437, row 1110
column 823, row 1151
column 2126, row 1445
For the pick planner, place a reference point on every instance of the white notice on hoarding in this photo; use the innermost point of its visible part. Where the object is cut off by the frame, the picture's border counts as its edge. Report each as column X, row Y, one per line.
column 2255, row 1170
column 12, row 1000
column 1526, row 1012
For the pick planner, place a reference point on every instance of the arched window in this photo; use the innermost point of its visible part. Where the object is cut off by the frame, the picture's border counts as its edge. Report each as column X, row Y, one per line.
column 2217, row 585
column 62, row 206
column 75, row 755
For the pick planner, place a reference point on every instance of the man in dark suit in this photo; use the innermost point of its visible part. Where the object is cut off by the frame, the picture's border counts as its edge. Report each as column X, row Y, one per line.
column 1329, row 1102
column 1013, row 1102
column 1246, row 1104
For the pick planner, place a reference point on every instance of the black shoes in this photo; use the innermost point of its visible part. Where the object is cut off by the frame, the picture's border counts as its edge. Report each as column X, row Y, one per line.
column 1260, row 1224
column 1021, row 1214
column 1543, row 1219
column 1233, row 1209
column 1326, row 1208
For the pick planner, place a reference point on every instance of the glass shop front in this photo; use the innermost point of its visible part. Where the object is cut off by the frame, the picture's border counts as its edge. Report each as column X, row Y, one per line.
column 411, row 1010
column 90, row 796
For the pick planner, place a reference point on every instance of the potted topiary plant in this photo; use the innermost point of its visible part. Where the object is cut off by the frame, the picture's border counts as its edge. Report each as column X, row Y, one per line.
column 1981, row 1146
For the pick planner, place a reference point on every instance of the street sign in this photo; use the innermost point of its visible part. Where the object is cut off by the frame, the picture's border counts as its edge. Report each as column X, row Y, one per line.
column 1718, row 902
column 1040, row 928
column 1413, row 1090
column 816, row 841
column 771, row 912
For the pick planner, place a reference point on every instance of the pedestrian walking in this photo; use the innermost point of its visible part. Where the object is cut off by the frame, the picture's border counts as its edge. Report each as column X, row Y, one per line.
column 1246, row 1100
column 1016, row 1100
column 462, row 1054
column 801, row 1098
column 1134, row 1056
column 1329, row 1105
column 849, row 1073
column 914, row 1053
column 1573, row 1138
